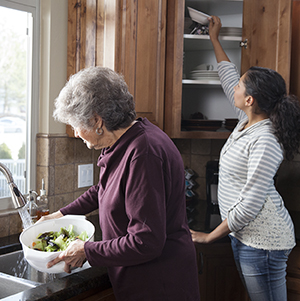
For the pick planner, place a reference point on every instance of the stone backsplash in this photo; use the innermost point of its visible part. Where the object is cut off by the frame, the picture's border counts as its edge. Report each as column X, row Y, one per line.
column 58, row 157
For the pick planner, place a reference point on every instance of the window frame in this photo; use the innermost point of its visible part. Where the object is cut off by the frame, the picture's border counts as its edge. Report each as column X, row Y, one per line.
column 32, row 120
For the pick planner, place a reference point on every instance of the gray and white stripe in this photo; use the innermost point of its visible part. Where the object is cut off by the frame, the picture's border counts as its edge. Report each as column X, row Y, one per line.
column 249, row 161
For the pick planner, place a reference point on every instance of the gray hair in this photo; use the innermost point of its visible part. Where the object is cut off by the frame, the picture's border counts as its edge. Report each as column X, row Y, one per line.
column 95, row 90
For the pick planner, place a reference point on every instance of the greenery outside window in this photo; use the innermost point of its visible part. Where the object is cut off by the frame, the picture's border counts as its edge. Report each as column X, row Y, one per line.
column 19, row 73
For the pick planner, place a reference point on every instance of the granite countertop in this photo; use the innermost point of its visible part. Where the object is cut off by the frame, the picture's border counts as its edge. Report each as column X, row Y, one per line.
column 83, row 281
column 63, row 288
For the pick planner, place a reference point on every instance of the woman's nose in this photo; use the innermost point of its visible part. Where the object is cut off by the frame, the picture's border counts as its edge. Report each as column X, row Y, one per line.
column 76, row 134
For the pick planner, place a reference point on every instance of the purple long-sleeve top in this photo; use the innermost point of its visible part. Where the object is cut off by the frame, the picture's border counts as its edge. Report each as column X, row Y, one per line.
column 146, row 244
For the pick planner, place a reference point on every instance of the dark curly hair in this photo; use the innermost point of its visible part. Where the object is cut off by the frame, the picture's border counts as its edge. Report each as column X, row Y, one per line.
column 268, row 88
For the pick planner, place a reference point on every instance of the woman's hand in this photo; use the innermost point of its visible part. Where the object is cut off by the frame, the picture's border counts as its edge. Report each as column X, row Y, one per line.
column 206, row 238
column 53, row 215
column 214, row 30
column 214, row 27
column 73, row 256
column 200, row 237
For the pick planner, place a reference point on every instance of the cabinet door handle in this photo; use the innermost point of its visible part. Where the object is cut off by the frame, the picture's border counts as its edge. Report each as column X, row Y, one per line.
column 244, row 43
column 201, row 263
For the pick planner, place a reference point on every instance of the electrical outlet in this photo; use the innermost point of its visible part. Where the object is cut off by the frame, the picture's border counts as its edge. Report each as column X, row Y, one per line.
column 85, row 175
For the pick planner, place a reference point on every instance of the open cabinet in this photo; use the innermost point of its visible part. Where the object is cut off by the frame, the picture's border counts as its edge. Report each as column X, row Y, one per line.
column 145, row 40
column 266, row 27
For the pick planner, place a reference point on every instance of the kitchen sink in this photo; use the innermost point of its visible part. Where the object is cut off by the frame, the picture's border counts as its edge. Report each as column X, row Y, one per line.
column 15, row 264
column 16, row 274
column 10, row 285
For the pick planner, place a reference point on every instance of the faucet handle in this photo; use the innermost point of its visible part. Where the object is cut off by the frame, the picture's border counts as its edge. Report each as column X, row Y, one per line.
column 16, row 196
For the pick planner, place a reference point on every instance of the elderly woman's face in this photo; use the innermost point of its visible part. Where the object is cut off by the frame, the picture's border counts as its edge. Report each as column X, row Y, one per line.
column 89, row 137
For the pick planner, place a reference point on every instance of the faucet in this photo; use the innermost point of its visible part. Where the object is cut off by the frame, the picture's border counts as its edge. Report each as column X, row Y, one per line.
column 17, row 197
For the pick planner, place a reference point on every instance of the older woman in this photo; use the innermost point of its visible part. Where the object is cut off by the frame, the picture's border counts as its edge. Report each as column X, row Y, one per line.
column 146, row 246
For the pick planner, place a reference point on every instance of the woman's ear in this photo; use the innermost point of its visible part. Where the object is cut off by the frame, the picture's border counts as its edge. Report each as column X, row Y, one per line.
column 249, row 101
column 98, row 121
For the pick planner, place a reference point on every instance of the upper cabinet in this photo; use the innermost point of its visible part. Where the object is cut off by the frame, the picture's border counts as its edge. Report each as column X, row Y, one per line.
column 140, row 54
column 267, row 25
column 266, row 33
column 148, row 41
column 127, row 36
column 91, row 36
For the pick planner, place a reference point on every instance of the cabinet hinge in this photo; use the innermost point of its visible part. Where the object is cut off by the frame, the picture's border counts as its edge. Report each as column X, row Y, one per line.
column 244, row 43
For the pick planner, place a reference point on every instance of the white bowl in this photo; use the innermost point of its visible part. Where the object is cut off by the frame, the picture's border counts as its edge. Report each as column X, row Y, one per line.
column 38, row 259
column 198, row 16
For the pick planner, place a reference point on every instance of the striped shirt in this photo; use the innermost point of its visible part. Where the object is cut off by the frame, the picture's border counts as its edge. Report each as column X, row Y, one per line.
column 247, row 196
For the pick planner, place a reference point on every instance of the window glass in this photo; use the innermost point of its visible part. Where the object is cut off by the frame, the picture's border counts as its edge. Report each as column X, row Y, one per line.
column 15, row 94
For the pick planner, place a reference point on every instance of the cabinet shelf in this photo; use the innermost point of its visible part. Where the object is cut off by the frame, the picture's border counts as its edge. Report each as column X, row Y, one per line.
column 204, row 135
column 206, row 37
column 202, row 42
column 201, row 82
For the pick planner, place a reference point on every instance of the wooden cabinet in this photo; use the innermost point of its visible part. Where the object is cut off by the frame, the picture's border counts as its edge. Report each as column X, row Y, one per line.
column 293, row 274
column 219, row 279
column 218, row 276
column 267, row 25
column 295, row 57
column 128, row 36
column 91, row 36
column 143, row 40
column 140, row 54
column 267, row 28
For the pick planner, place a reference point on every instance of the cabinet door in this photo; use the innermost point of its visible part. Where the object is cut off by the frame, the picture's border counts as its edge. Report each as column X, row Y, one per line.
column 91, row 36
column 218, row 276
column 174, row 62
column 293, row 274
column 140, row 54
column 267, row 27
column 295, row 58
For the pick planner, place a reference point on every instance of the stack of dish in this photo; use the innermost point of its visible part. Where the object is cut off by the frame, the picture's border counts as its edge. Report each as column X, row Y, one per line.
column 200, row 124
column 204, row 75
column 231, row 31
column 230, row 123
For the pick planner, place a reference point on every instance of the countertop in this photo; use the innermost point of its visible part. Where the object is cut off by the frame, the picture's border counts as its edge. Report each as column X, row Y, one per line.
column 66, row 287
column 80, row 282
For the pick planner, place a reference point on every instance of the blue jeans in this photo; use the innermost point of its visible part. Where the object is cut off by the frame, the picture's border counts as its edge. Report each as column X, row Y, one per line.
column 262, row 272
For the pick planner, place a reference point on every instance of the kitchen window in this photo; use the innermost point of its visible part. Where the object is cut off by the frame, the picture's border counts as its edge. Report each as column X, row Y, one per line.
column 19, row 66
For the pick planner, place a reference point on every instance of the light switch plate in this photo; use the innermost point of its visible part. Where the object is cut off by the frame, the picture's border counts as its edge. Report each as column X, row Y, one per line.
column 85, row 175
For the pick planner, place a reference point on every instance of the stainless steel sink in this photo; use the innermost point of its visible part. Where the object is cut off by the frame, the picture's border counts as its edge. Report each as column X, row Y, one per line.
column 10, row 285
column 15, row 264
column 16, row 274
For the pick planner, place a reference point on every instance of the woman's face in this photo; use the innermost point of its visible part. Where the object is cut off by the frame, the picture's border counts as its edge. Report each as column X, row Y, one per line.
column 89, row 137
column 240, row 94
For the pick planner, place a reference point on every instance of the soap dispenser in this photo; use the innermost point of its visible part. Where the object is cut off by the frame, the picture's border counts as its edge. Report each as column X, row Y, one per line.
column 42, row 202
column 31, row 205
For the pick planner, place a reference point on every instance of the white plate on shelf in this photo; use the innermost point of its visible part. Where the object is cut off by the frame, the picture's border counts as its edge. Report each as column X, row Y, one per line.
column 204, row 72
column 201, row 74
column 231, row 31
column 198, row 16
column 205, row 78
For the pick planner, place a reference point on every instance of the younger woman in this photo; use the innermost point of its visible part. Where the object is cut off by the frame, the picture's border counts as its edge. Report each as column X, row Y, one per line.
column 253, row 212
